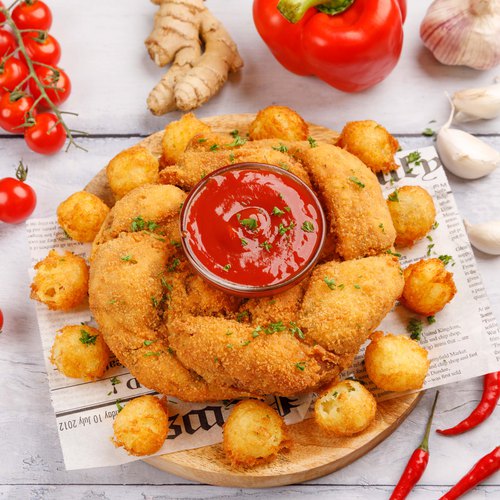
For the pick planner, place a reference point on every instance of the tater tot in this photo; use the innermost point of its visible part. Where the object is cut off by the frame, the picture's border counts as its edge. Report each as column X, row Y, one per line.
column 371, row 143
column 254, row 433
column 79, row 351
column 278, row 122
column 141, row 427
column 395, row 362
column 177, row 136
column 61, row 281
column 81, row 216
column 345, row 409
column 132, row 168
column 428, row 287
column 413, row 213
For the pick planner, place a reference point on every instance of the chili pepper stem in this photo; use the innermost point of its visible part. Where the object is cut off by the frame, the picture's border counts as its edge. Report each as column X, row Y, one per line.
column 32, row 73
column 424, row 445
column 294, row 10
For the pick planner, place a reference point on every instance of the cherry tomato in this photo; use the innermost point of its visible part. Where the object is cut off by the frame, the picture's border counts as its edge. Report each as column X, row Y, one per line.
column 14, row 106
column 32, row 15
column 17, row 199
column 2, row 17
column 12, row 72
column 56, row 78
column 7, row 42
column 46, row 136
column 42, row 47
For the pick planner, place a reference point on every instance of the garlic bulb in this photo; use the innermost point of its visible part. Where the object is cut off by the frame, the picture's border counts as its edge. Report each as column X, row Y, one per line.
column 485, row 236
column 463, row 154
column 463, row 32
column 478, row 103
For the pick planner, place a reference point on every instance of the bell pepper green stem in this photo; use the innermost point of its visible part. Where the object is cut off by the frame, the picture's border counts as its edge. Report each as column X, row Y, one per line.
column 294, row 10
column 424, row 445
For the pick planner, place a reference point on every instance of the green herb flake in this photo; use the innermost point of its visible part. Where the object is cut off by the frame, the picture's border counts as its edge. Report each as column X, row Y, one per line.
column 284, row 166
column 301, row 365
column 128, row 258
column 394, row 196
column 295, row 330
column 118, row 405
column 357, row 181
column 414, row 328
column 274, row 328
column 174, row 264
column 281, row 148
column 234, row 133
column 447, row 259
column 277, row 211
column 227, row 267
column 308, row 227
column 245, row 343
column 216, row 359
column 282, row 229
column 330, row 283
column 175, row 243
column 396, row 254
column 231, row 157
column 381, row 226
column 335, row 394
column 249, row 223
column 155, row 302
column 414, row 157
column 137, row 224
column 238, row 141
column 86, row 338
column 241, row 316
column 244, row 242
column 229, row 346
column 147, row 343
column 357, row 286
column 152, row 225
column 435, row 225
column 429, row 248
column 202, row 140
column 151, row 353
column 428, row 132
column 312, row 142
column 266, row 246
column 431, row 320
column 214, row 147
column 229, row 333
column 256, row 332
column 115, row 381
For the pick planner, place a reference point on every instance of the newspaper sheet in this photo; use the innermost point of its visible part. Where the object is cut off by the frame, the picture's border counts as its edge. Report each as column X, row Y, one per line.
column 463, row 342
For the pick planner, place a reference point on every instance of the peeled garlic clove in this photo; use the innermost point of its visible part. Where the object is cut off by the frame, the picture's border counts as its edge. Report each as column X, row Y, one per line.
column 464, row 155
column 485, row 236
column 463, row 32
column 477, row 103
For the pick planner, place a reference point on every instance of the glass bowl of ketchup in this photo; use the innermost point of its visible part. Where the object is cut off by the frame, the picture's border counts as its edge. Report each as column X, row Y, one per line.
column 252, row 229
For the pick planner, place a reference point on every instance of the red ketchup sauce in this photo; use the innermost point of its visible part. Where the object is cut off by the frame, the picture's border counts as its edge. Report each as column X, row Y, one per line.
column 252, row 229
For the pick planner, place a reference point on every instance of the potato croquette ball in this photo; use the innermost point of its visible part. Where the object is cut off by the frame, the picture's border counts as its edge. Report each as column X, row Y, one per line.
column 413, row 213
column 254, row 433
column 278, row 122
column 428, row 287
column 345, row 409
column 132, row 168
column 79, row 351
column 61, row 281
column 395, row 362
column 371, row 143
column 82, row 215
column 141, row 427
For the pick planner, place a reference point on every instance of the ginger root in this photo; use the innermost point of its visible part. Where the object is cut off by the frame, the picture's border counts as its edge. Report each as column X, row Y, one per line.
column 181, row 28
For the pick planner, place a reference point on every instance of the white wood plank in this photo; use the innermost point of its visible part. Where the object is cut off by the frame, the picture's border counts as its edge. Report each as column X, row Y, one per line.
column 104, row 54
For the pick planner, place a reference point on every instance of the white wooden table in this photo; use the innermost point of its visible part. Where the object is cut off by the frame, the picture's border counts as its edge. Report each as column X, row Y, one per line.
column 103, row 53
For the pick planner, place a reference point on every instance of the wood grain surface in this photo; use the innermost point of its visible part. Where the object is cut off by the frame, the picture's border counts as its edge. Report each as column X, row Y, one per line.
column 314, row 453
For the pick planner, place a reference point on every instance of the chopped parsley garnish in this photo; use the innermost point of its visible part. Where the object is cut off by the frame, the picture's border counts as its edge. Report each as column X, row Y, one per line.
column 429, row 237
column 414, row 157
column 274, row 327
column 214, row 147
column 357, row 181
column 229, row 333
column 147, row 343
column 431, row 319
column 430, row 246
column 118, row 405
column 284, row 166
column 244, row 242
column 128, row 258
column 435, row 225
column 414, row 328
column 174, row 264
column 246, row 342
column 155, row 302
column 335, row 394
column 137, row 224
column 241, row 316
column 216, row 359
column 115, row 381
column 234, row 133
column 330, row 282
column 86, row 338
column 312, row 142
column 249, row 223
column 381, row 226
column 295, row 330
column 227, row 267
column 152, row 225
column 256, row 332
column 357, row 286
column 231, row 157
column 266, row 246
column 202, row 139
column 238, row 141
column 175, row 243
column 428, row 132
column 446, row 259
column 152, row 353
column 300, row 366
column 170, row 351
column 229, row 346
column 282, row 229
column 308, row 227
column 394, row 196
column 390, row 252
column 281, row 148
column 277, row 211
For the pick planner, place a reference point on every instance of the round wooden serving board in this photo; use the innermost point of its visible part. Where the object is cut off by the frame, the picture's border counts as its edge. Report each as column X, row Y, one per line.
column 314, row 453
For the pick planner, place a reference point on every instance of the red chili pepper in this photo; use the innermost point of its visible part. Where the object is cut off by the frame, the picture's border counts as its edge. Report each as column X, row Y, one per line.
column 417, row 463
column 484, row 468
column 491, row 395
column 350, row 44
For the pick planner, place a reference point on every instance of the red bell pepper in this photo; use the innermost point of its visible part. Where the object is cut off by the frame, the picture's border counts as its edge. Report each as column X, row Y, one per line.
column 350, row 44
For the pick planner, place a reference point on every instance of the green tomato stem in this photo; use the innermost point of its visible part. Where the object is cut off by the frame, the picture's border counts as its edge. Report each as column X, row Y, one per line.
column 295, row 10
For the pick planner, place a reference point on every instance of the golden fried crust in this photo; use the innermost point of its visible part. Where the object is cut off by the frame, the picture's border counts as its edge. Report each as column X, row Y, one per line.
column 345, row 301
column 142, row 426
column 129, row 293
column 428, row 287
column 413, row 213
column 228, row 352
column 371, row 143
column 253, row 434
column 61, row 281
column 395, row 362
column 81, row 216
column 153, row 203
column 353, row 199
column 215, row 141
column 279, row 122
column 194, row 165
column 131, row 168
